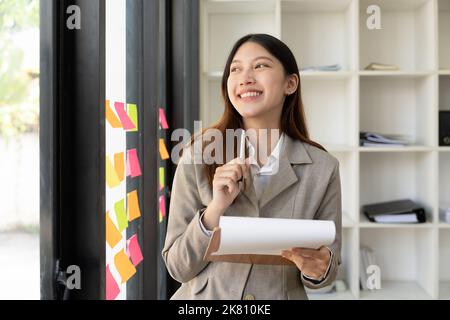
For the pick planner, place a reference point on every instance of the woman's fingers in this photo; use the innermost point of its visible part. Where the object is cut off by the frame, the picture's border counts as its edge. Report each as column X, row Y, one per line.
column 226, row 182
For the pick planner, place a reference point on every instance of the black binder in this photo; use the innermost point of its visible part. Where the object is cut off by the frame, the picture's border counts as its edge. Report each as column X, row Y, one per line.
column 398, row 211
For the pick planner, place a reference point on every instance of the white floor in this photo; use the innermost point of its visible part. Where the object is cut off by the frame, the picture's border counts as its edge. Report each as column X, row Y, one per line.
column 19, row 266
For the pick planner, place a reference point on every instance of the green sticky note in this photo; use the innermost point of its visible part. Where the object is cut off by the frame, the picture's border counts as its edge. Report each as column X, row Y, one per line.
column 132, row 113
column 121, row 215
column 161, row 178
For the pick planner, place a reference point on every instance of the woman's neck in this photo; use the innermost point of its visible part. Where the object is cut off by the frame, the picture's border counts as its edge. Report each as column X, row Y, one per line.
column 263, row 137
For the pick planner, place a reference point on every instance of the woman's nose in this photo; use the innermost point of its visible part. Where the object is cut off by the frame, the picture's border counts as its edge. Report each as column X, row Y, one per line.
column 247, row 78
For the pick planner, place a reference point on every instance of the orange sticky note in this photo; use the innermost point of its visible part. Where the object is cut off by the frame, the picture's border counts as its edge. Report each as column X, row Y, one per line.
column 119, row 165
column 133, row 211
column 163, row 150
column 113, row 236
column 112, row 289
column 162, row 119
column 112, row 180
column 133, row 163
column 134, row 250
column 124, row 266
column 111, row 117
column 127, row 124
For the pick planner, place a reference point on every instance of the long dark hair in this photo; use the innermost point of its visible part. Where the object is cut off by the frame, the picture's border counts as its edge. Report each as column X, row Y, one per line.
column 292, row 122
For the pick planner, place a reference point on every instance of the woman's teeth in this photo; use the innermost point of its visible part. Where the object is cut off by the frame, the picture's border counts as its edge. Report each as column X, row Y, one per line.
column 250, row 94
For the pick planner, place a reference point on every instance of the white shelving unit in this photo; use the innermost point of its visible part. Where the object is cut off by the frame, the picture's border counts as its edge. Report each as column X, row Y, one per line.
column 414, row 258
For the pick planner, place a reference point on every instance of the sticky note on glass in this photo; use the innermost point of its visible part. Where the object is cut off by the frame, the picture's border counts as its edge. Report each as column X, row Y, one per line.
column 119, row 165
column 122, row 221
column 133, row 163
column 113, row 236
column 163, row 150
column 133, row 210
column 133, row 114
column 134, row 250
column 124, row 266
column 112, row 289
column 112, row 180
column 111, row 117
column 161, row 178
column 162, row 208
column 163, row 119
column 127, row 124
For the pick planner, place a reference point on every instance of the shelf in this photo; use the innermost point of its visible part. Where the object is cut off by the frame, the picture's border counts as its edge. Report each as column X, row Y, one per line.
column 391, row 176
column 326, row 74
column 444, row 72
column 405, row 261
column 337, row 104
column 407, row 27
column 444, row 225
column 397, row 74
column 324, row 32
column 444, row 178
column 346, row 295
column 398, row 106
column 444, row 149
column 225, row 18
column 396, row 149
column 444, row 290
column 444, row 263
column 396, row 290
column 444, row 92
column 444, row 35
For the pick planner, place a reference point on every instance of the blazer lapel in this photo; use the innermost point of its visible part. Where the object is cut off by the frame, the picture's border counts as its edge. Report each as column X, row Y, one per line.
column 293, row 152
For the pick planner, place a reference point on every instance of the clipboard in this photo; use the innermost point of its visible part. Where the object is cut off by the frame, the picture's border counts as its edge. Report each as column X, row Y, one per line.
column 214, row 244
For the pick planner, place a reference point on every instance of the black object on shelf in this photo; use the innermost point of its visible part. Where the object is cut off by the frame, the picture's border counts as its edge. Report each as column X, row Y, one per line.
column 398, row 211
column 444, row 128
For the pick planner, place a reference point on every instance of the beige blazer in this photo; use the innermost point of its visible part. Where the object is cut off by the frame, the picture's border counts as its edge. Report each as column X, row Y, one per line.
column 307, row 186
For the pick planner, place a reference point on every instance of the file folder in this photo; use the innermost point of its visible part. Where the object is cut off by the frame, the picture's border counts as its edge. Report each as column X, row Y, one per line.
column 398, row 211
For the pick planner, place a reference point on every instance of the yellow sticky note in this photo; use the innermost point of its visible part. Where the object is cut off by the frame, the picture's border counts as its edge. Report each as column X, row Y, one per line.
column 113, row 235
column 161, row 178
column 112, row 180
column 119, row 165
column 121, row 215
column 132, row 113
column 133, row 206
column 124, row 266
column 111, row 117
column 163, row 150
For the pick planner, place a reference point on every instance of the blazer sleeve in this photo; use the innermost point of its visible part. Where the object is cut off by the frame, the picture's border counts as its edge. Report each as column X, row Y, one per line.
column 185, row 243
column 330, row 208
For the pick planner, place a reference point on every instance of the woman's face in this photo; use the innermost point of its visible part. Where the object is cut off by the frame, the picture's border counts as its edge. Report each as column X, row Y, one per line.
column 257, row 84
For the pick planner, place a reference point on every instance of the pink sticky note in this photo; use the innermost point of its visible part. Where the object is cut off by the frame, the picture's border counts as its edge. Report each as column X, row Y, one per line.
column 112, row 289
column 162, row 206
column 128, row 170
column 134, row 250
column 162, row 119
column 127, row 124
column 135, row 168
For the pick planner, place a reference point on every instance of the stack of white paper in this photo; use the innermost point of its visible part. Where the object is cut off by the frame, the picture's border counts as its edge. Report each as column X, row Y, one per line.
column 246, row 235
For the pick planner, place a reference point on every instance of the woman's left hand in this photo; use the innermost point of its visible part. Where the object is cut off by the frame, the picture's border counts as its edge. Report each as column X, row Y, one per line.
column 313, row 263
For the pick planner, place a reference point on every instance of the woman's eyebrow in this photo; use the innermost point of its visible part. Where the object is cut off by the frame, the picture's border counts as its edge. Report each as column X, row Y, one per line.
column 257, row 58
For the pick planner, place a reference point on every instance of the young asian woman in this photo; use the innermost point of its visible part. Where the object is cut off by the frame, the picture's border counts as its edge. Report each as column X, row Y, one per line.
column 298, row 179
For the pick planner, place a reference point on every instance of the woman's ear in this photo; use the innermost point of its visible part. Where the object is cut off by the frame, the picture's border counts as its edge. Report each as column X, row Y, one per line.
column 291, row 84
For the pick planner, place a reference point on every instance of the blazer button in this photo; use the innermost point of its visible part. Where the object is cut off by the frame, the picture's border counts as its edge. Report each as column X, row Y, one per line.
column 249, row 297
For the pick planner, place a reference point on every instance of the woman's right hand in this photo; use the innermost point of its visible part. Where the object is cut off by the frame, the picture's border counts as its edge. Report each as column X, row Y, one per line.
column 225, row 190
